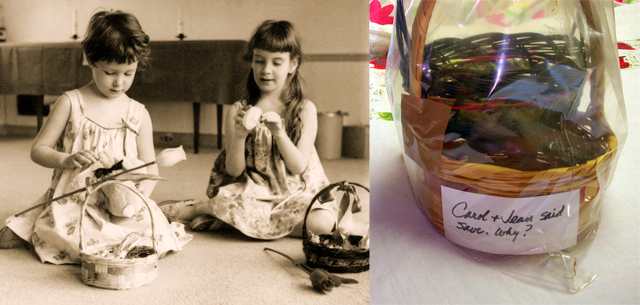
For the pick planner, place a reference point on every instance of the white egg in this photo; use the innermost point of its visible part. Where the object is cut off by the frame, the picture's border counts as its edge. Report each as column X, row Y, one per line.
column 252, row 118
column 320, row 221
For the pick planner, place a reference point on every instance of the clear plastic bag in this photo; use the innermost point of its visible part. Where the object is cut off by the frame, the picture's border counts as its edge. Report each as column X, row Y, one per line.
column 512, row 119
column 380, row 26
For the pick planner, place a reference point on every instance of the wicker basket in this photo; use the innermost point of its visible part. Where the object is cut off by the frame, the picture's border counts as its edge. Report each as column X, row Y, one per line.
column 332, row 259
column 491, row 179
column 118, row 273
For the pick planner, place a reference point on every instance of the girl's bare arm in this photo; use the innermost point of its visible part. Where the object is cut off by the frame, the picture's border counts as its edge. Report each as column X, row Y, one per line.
column 146, row 151
column 43, row 149
column 235, row 141
column 296, row 157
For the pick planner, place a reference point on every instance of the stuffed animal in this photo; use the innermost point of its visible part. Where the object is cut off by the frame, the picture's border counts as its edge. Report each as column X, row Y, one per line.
column 120, row 200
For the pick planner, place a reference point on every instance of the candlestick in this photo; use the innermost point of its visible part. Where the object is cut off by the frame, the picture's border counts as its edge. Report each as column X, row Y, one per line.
column 74, row 25
column 181, row 35
column 180, row 22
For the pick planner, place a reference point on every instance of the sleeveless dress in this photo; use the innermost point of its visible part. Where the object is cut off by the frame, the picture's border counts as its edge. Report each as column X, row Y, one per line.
column 53, row 230
column 266, row 201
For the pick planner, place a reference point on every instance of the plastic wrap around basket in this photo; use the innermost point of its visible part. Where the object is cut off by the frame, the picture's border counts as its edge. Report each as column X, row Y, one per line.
column 332, row 259
column 461, row 73
column 118, row 273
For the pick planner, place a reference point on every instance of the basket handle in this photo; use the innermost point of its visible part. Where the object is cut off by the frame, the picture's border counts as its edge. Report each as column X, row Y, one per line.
column 86, row 200
column 402, row 30
column 322, row 192
column 418, row 36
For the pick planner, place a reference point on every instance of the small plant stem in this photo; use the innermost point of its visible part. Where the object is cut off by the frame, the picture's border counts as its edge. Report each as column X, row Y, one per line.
column 303, row 267
column 85, row 188
column 308, row 270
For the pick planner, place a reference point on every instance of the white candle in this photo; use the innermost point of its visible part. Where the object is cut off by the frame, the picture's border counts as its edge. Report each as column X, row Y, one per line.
column 180, row 23
column 74, row 24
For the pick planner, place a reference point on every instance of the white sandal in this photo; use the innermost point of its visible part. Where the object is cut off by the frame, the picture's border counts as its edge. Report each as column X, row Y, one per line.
column 206, row 222
column 170, row 209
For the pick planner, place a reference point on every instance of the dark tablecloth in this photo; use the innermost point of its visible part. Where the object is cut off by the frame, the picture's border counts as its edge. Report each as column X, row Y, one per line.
column 180, row 71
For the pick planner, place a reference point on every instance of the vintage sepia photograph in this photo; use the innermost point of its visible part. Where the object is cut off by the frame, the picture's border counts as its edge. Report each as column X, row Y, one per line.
column 184, row 152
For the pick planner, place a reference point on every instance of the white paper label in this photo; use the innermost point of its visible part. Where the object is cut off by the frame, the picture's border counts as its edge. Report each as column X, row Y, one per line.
column 503, row 225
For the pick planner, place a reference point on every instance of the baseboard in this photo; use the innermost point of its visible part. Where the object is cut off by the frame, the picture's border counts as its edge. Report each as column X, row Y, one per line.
column 16, row 131
column 160, row 139
column 355, row 142
column 174, row 139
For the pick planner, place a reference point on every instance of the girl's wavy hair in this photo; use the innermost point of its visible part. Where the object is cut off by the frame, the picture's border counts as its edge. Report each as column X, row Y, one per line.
column 116, row 36
column 279, row 36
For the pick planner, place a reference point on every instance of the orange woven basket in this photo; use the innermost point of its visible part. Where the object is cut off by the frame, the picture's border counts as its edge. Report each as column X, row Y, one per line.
column 491, row 179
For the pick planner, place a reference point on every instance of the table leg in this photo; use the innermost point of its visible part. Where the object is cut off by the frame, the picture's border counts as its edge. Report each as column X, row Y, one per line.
column 219, row 114
column 196, row 127
column 39, row 111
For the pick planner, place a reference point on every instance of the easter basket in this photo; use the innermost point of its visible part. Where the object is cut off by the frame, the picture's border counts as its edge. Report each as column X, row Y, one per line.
column 120, row 266
column 333, row 252
column 507, row 128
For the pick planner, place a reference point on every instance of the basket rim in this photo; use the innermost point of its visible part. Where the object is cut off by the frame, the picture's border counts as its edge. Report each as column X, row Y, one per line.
column 91, row 251
column 308, row 244
column 613, row 146
column 89, row 258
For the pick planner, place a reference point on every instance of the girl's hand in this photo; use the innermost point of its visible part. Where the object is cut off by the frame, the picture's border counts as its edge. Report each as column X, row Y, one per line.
column 239, row 130
column 82, row 159
column 234, row 142
column 273, row 121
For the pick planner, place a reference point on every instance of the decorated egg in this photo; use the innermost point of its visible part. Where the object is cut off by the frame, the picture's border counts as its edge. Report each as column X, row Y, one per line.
column 252, row 118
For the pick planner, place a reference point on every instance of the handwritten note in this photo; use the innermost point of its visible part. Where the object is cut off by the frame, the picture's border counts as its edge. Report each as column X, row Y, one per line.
column 511, row 225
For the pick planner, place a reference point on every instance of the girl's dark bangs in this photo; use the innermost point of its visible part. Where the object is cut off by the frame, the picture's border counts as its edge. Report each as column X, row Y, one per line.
column 274, row 44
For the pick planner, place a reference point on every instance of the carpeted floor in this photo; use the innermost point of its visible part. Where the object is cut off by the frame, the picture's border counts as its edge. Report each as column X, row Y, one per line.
column 215, row 268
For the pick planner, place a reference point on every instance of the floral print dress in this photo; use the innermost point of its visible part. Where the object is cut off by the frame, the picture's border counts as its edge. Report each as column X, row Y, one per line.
column 266, row 201
column 54, row 230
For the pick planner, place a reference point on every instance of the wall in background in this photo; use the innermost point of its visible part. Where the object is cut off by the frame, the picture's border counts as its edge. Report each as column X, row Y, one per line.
column 334, row 34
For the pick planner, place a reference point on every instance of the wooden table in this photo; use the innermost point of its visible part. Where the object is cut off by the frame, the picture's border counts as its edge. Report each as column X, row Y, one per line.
column 196, row 72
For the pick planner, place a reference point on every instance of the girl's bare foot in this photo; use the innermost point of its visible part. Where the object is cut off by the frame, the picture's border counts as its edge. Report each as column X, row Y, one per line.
column 178, row 211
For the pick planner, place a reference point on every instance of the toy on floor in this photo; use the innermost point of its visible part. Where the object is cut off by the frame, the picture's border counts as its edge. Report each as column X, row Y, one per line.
column 321, row 279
